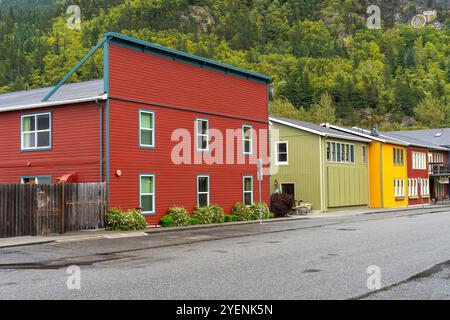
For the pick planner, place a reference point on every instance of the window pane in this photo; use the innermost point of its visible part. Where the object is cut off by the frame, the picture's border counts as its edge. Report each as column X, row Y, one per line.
column 43, row 139
column 44, row 180
column 29, row 140
column 247, row 147
column 248, row 199
column 147, row 203
column 203, row 200
column 43, row 122
column 202, row 126
column 247, row 133
column 339, row 152
column 147, row 185
column 147, row 120
column 352, row 153
column 282, row 148
column 28, row 124
column 147, row 137
column 203, row 184
column 248, row 186
column 282, row 157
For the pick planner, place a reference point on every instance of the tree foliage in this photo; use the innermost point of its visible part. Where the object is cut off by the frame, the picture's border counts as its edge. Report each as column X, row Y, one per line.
column 320, row 52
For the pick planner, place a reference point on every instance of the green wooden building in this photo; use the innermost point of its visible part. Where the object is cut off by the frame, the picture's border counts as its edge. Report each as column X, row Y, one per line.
column 319, row 165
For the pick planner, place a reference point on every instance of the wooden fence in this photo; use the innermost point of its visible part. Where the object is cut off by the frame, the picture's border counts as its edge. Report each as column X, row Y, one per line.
column 44, row 209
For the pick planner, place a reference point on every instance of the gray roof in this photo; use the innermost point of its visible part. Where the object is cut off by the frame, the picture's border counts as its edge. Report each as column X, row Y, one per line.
column 438, row 137
column 415, row 141
column 317, row 129
column 367, row 134
column 80, row 90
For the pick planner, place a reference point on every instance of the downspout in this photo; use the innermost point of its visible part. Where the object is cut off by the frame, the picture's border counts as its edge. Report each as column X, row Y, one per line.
column 106, row 90
column 322, row 205
column 101, row 139
column 381, row 175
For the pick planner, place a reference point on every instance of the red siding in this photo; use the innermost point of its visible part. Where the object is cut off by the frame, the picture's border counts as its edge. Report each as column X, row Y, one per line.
column 415, row 174
column 145, row 77
column 75, row 145
column 175, row 184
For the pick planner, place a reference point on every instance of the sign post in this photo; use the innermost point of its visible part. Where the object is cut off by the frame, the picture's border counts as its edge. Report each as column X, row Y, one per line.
column 260, row 178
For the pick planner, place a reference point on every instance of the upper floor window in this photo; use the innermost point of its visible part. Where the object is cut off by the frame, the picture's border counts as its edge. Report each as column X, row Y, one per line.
column 202, row 134
column 340, row 152
column 364, row 154
column 147, row 129
column 247, row 139
column 282, row 153
column 399, row 159
column 36, row 131
column 419, row 161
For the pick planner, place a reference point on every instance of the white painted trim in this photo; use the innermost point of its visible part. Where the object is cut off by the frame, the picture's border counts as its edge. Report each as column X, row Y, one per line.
column 276, row 153
column 52, row 103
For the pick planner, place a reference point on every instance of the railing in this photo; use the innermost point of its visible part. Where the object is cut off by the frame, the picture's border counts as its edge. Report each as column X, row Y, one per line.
column 439, row 168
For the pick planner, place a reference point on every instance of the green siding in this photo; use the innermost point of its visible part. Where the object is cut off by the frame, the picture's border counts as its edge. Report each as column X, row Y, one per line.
column 347, row 184
column 304, row 164
column 343, row 184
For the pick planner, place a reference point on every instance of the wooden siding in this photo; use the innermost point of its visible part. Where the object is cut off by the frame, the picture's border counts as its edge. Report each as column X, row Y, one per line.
column 303, row 169
column 75, row 145
column 347, row 184
column 175, row 184
column 145, row 77
column 417, row 173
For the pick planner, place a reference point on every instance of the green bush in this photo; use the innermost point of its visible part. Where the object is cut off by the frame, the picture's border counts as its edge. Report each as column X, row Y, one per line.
column 203, row 215
column 265, row 211
column 118, row 220
column 227, row 218
column 242, row 212
column 167, row 221
column 218, row 216
column 179, row 215
column 193, row 221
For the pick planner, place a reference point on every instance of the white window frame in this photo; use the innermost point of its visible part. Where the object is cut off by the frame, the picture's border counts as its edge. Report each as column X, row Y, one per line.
column 152, row 130
column 244, row 140
column 419, row 161
column 399, row 188
column 203, row 192
column 244, row 192
column 153, row 194
column 198, row 135
column 36, row 131
column 277, row 154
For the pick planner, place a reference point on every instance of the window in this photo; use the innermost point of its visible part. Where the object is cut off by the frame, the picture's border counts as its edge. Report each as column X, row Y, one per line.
column 147, row 129
column 202, row 134
column 340, row 152
column 247, row 139
column 202, row 191
column 419, row 161
column 147, row 194
column 36, row 132
column 413, row 190
column 248, row 190
column 399, row 188
column 364, row 154
column 36, row 180
column 438, row 157
column 282, row 153
column 425, row 187
column 398, row 157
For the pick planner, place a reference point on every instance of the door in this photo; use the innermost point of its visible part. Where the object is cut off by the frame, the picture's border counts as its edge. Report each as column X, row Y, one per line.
column 288, row 188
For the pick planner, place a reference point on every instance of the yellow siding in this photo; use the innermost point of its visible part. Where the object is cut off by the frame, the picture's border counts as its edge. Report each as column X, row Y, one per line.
column 383, row 172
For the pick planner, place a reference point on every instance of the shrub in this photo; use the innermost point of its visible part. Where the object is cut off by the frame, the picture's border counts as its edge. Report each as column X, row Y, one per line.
column 227, row 218
column 218, row 216
column 193, row 221
column 118, row 220
column 255, row 211
column 242, row 212
column 203, row 215
column 167, row 221
column 179, row 215
column 281, row 204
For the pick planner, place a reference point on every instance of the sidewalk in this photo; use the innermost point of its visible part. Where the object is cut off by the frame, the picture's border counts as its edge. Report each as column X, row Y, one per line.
column 103, row 234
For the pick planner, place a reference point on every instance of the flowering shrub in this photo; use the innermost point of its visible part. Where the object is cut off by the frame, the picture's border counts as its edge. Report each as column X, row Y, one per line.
column 118, row 220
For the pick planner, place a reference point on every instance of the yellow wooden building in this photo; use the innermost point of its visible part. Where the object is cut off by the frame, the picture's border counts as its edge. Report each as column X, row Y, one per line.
column 388, row 173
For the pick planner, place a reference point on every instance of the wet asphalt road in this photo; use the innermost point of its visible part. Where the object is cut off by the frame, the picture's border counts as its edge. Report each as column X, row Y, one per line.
column 322, row 258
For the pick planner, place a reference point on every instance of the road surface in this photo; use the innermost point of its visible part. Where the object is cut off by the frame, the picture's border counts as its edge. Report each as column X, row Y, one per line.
column 320, row 258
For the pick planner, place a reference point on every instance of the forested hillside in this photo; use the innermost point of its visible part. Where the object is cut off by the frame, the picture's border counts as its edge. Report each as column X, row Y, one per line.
column 327, row 65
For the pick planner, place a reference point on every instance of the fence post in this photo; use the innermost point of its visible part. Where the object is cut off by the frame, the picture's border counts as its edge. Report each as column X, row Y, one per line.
column 63, row 205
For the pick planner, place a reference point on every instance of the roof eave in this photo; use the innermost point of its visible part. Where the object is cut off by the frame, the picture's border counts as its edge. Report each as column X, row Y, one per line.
column 53, row 103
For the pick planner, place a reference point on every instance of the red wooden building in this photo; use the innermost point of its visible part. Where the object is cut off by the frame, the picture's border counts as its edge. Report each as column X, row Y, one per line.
column 422, row 184
column 162, row 128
